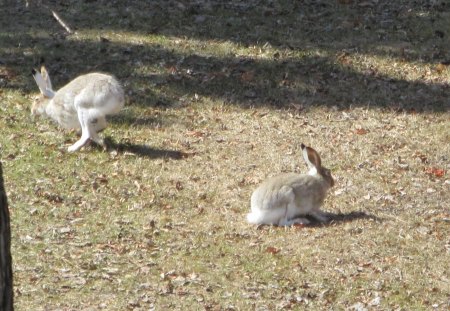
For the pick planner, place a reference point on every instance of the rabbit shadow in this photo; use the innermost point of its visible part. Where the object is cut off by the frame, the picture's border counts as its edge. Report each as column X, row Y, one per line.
column 142, row 150
column 338, row 218
column 333, row 219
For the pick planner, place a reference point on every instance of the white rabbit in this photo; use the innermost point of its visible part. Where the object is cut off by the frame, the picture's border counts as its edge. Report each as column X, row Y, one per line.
column 282, row 199
column 82, row 104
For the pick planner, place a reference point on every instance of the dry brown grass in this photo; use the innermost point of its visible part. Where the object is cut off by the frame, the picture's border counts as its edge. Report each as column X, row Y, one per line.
column 220, row 96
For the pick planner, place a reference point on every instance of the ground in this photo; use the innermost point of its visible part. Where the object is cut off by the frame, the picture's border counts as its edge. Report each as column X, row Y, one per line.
column 220, row 95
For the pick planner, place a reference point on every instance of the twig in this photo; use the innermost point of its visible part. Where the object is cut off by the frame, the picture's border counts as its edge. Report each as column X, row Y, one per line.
column 55, row 15
column 61, row 22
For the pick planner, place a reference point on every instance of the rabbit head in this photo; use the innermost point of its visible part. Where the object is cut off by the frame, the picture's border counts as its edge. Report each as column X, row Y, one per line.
column 314, row 164
column 45, row 86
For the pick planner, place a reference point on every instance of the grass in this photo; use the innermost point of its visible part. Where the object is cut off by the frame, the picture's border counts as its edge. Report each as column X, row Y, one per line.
column 219, row 96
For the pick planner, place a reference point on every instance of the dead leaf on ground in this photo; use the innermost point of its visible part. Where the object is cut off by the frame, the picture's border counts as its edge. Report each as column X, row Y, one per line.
column 272, row 250
column 248, row 76
column 361, row 131
column 423, row 158
column 440, row 68
column 196, row 133
column 173, row 70
column 434, row 171
column 299, row 226
column 344, row 59
column 7, row 73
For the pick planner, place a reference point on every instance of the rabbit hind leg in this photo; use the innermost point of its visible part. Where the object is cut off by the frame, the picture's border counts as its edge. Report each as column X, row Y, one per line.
column 96, row 125
column 88, row 131
column 80, row 143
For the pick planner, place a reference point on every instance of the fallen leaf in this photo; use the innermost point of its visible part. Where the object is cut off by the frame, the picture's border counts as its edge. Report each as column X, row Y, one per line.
column 437, row 172
column 195, row 133
column 359, row 306
column 172, row 70
column 187, row 154
column 440, row 68
column 65, row 230
column 248, row 76
column 343, row 58
column 101, row 178
column 7, row 73
column 361, row 131
column 423, row 158
column 339, row 191
column 299, row 226
column 272, row 250
column 375, row 302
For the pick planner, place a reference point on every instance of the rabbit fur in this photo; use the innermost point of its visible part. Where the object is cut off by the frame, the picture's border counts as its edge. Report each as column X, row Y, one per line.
column 82, row 104
column 283, row 199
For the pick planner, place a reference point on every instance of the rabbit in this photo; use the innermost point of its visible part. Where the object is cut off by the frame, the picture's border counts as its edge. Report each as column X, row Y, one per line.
column 82, row 104
column 283, row 199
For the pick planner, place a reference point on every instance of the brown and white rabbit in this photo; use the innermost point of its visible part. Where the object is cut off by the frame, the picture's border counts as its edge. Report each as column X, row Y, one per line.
column 283, row 200
column 82, row 104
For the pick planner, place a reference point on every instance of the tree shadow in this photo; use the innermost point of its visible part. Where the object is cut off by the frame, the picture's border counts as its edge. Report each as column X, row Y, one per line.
column 142, row 150
column 6, row 272
column 315, row 73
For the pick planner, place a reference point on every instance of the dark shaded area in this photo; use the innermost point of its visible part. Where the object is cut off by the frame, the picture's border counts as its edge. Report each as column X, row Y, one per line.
column 142, row 150
column 349, row 217
column 335, row 219
column 339, row 218
column 6, row 276
column 315, row 38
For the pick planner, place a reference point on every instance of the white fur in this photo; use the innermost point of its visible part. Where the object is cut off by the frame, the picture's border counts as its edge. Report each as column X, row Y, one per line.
column 279, row 209
column 82, row 104
column 44, row 85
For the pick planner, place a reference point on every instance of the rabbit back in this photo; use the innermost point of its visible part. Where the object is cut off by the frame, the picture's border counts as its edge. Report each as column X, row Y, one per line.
column 100, row 93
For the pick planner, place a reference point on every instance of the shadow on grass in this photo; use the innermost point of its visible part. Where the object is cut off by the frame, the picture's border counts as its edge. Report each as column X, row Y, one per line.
column 335, row 219
column 348, row 217
column 339, row 218
column 295, row 66
column 142, row 150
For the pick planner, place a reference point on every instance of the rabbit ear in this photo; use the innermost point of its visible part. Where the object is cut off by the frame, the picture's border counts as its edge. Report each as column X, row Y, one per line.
column 42, row 84
column 311, row 157
column 46, row 77
column 40, row 81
